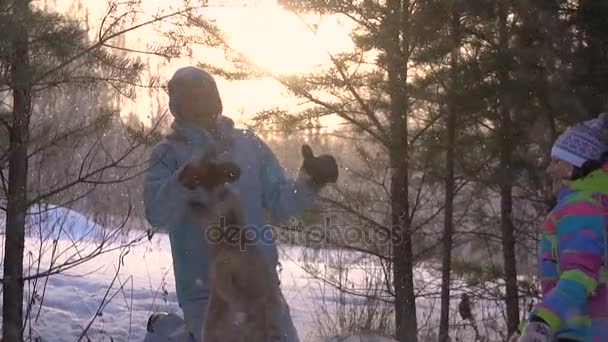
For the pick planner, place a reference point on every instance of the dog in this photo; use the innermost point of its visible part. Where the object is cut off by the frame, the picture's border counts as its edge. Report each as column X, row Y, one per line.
column 245, row 299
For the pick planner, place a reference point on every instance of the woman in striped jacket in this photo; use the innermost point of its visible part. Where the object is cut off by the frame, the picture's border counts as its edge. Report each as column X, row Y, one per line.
column 573, row 250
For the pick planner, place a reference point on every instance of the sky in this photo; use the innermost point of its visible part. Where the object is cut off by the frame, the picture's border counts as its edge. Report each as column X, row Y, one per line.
column 269, row 35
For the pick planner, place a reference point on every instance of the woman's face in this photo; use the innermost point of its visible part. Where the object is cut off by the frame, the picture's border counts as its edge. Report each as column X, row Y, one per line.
column 559, row 170
column 197, row 104
column 193, row 112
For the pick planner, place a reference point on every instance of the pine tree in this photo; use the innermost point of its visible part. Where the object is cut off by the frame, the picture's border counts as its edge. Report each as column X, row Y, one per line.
column 18, row 65
column 452, row 112
column 591, row 55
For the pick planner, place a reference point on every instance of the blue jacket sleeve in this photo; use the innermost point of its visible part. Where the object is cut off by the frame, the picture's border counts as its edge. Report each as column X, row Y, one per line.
column 284, row 197
column 166, row 201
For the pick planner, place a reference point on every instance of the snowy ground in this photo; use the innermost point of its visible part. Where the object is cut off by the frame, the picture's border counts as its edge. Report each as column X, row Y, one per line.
column 119, row 301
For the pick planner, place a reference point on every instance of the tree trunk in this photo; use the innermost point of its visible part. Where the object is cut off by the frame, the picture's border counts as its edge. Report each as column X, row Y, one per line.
column 506, row 181
column 403, row 275
column 446, row 270
column 12, row 309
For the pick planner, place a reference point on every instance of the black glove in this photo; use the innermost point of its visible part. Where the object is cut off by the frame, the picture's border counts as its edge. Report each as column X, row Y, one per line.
column 322, row 169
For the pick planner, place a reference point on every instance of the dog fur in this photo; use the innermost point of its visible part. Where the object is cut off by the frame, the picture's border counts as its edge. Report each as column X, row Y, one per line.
column 245, row 299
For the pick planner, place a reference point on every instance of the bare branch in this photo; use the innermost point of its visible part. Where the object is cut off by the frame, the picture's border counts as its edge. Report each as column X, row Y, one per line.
column 87, row 80
column 104, row 39
column 104, row 301
column 97, row 172
column 5, row 123
column 99, row 251
column 4, row 183
column 357, row 214
column 60, row 138
column 426, row 128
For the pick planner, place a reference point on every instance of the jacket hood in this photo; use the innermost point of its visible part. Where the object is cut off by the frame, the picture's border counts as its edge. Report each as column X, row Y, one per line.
column 595, row 182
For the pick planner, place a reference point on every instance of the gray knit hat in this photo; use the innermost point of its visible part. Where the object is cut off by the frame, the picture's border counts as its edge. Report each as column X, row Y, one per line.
column 194, row 86
column 583, row 142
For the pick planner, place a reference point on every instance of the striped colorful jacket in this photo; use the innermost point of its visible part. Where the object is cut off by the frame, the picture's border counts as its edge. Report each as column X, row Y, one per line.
column 572, row 261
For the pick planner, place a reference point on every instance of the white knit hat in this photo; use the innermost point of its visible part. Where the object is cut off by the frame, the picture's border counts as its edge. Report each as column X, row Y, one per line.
column 583, row 142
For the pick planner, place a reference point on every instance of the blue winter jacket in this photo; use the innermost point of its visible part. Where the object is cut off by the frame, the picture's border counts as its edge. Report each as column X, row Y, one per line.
column 263, row 186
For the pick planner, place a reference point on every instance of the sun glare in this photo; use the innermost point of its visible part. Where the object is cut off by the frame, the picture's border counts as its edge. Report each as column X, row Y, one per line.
column 270, row 36
column 280, row 41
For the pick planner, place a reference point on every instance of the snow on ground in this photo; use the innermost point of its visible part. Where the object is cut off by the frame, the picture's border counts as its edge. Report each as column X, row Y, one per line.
column 144, row 283
column 117, row 291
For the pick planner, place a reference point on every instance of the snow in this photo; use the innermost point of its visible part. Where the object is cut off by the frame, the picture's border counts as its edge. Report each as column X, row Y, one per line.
column 134, row 281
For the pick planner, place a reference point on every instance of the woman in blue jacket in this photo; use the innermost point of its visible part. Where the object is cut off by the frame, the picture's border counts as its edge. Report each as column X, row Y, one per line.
column 199, row 130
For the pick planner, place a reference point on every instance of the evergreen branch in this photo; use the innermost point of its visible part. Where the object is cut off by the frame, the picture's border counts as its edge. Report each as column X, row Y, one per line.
column 367, row 110
column 334, row 109
column 349, row 9
column 480, row 36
